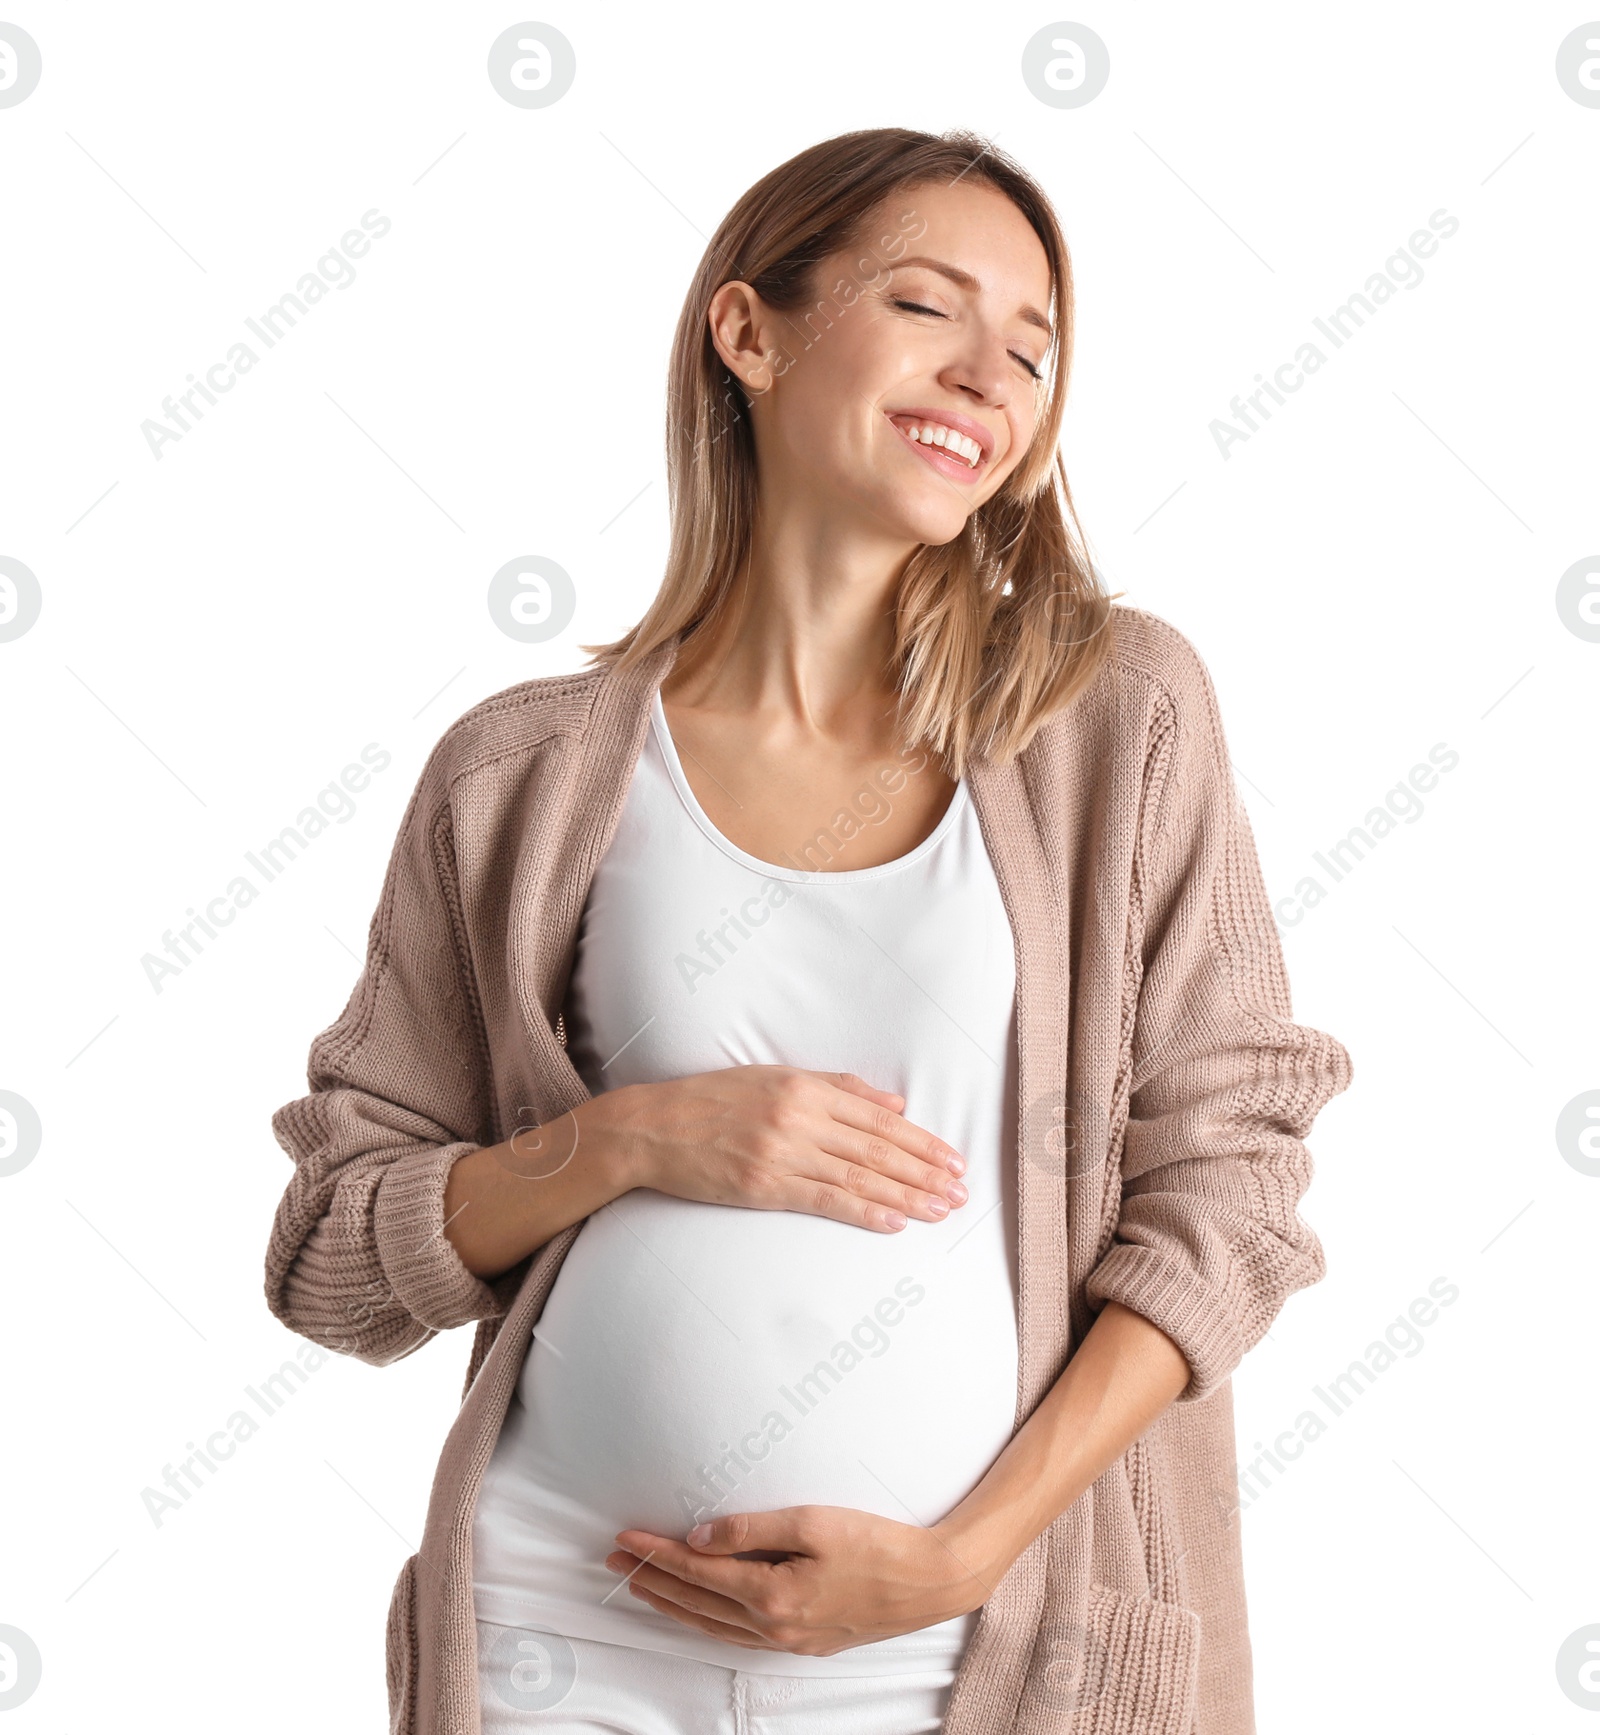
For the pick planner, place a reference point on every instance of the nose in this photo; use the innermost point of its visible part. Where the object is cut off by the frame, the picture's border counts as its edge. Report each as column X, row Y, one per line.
column 982, row 371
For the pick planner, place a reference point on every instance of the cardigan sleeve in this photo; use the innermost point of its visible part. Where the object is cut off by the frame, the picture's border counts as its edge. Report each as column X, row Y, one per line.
column 358, row 1260
column 1224, row 1086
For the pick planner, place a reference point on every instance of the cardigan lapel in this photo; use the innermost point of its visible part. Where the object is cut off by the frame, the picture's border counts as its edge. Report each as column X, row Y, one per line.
column 1036, row 902
column 568, row 829
column 995, row 1667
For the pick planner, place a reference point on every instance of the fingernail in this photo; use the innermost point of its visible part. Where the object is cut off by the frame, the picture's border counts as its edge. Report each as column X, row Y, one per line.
column 700, row 1535
column 956, row 1165
column 957, row 1192
column 938, row 1207
column 896, row 1220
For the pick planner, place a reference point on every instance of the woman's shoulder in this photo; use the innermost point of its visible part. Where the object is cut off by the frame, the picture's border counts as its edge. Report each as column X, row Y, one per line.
column 1150, row 646
column 1151, row 666
column 518, row 720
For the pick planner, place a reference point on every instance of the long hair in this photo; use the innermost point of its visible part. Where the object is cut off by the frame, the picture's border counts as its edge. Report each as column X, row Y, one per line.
column 994, row 630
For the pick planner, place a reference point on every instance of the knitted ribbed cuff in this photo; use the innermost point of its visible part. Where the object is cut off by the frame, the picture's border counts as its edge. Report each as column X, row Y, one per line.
column 1172, row 1296
column 421, row 1264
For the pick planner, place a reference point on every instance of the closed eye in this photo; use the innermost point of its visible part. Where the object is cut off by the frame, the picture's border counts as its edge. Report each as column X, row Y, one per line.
column 917, row 307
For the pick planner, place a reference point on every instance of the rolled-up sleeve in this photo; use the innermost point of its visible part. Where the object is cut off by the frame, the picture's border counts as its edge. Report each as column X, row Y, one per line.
column 358, row 1260
column 1224, row 1085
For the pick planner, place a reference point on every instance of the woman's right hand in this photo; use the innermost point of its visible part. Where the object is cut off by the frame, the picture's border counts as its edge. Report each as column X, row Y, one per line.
column 779, row 1138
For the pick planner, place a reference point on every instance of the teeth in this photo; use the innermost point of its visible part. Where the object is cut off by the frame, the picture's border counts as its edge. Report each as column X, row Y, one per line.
column 937, row 434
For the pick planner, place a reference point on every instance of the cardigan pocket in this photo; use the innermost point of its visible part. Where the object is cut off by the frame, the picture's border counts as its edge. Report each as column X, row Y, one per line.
column 400, row 1648
column 1132, row 1670
column 1150, row 1653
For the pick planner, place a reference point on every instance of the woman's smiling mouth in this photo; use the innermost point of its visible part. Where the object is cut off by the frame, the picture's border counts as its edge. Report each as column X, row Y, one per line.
column 940, row 441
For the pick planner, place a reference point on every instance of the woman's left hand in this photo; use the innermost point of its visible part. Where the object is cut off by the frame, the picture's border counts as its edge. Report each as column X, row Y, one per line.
column 829, row 1578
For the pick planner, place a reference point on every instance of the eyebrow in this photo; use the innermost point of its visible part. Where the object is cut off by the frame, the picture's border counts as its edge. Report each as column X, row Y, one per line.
column 965, row 280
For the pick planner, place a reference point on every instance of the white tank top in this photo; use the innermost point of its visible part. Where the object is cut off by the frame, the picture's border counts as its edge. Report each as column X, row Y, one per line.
column 695, row 1360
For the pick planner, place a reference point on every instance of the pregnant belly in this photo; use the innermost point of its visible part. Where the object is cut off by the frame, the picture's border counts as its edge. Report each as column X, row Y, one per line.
column 694, row 1360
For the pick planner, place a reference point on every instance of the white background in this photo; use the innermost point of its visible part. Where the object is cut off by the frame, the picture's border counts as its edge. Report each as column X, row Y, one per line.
column 305, row 572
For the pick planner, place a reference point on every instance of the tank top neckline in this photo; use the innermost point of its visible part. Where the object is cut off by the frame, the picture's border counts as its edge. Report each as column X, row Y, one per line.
column 773, row 870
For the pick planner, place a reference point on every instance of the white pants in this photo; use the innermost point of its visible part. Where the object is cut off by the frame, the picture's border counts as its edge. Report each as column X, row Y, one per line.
column 542, row 1681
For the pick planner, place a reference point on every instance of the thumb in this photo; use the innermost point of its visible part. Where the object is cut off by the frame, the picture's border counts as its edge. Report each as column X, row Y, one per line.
column 761, row 1535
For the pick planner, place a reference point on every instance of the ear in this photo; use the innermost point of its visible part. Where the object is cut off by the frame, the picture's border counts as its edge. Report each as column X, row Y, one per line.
column 738, row 320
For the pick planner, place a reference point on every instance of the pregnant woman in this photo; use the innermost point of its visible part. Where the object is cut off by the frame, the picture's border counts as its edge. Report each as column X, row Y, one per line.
column 837, row 1050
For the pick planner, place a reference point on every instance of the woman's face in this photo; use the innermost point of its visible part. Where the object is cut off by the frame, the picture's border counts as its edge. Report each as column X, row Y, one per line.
column 904, row 393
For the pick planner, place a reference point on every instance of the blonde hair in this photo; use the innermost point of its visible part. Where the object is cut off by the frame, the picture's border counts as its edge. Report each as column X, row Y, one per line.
column 994, row 630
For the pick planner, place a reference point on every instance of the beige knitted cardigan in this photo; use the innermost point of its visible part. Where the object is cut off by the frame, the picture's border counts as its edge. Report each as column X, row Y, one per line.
column 1164, row 1096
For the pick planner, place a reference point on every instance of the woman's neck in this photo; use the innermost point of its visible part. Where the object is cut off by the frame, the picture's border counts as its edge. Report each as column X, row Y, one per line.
column 808, row 631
